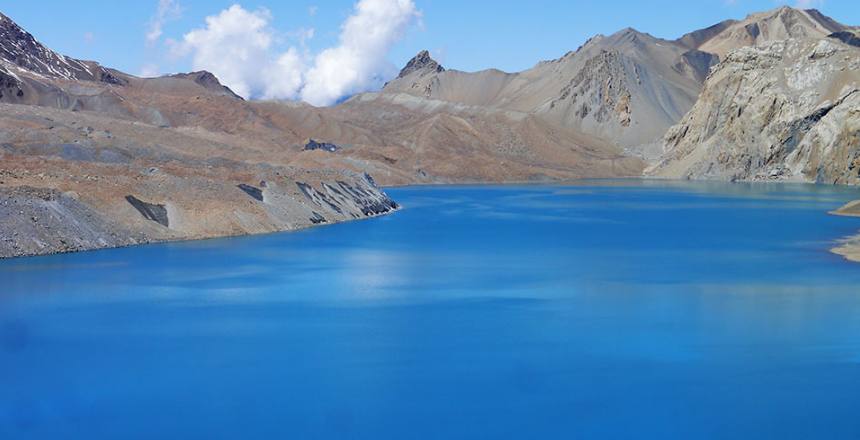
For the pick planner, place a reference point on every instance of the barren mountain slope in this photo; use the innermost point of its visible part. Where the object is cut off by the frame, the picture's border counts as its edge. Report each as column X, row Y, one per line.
column 72, row 181
column 446, row 142
column 762, row 28
column 626, row 88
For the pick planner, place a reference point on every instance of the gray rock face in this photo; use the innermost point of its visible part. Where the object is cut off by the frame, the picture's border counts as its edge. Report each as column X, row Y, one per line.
column 421, row 63
column 313, row 145
column 789, row 110
column 38, row 221
column 10, row 86
column 846, row 37
column 253, row 191
column 150, row 211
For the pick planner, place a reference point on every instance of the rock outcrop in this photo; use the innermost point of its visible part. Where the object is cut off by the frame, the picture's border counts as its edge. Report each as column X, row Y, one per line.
column 312, row 145
column 788, row 110
column 421, row 63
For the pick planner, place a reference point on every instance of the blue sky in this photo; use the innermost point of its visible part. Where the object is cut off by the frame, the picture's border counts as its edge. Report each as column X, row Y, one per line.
column 466, row 35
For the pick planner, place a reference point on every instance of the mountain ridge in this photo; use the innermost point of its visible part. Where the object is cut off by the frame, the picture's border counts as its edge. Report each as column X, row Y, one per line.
column 209, row 163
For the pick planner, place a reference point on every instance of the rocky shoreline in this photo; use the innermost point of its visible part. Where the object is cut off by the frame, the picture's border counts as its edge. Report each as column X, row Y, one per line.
column 43, row 221
column 849, row 247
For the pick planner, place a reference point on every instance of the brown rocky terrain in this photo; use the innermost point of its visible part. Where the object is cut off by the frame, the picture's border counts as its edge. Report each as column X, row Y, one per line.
column 96, row 158
column 93, row 157
column 79, row 180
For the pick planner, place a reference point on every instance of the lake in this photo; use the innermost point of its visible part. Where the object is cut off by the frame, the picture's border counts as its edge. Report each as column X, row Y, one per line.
column 604, row 309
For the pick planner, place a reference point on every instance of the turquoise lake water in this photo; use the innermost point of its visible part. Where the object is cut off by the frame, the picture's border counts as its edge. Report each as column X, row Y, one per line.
column 620, row 310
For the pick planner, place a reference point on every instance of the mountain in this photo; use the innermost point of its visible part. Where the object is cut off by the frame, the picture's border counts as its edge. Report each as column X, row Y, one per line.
column 782, row 105
column 102, row 158
column 788, row 110
column 762, row 28
column 625, row 89
column 421, row 63
column 92, row 158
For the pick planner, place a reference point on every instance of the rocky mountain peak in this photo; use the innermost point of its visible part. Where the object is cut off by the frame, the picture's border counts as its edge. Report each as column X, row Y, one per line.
column 421, row 62
column 629, row 38
column 19, row 48
column 209, row 81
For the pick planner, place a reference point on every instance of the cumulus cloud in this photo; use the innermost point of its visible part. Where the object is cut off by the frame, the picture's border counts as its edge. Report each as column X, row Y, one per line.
column 235, row 45
column 241, row 48
column 167, row 10
column 358, row 61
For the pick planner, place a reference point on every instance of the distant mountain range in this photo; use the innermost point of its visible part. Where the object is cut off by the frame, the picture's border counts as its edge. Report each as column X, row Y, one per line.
column 768, row 97
column 627, row 88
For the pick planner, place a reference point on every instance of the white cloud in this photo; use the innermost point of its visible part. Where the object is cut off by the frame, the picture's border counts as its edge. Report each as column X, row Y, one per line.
column 312, row 10
column 239, row 47
column 358, row 61
column 167, row 10
column 284, row 79
column 235, row 45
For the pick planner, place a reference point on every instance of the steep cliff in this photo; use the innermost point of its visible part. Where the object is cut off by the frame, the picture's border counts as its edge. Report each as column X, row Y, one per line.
column 788, row 110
